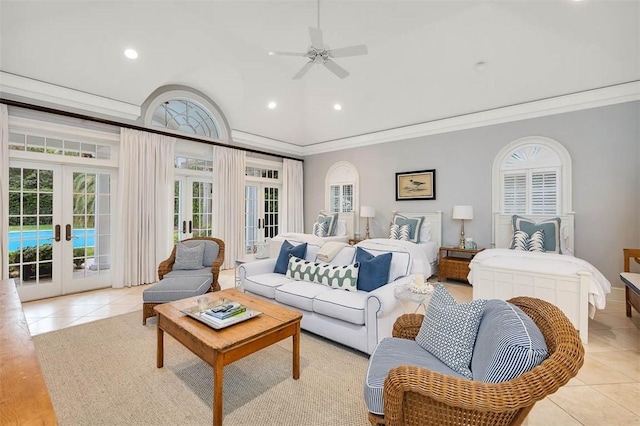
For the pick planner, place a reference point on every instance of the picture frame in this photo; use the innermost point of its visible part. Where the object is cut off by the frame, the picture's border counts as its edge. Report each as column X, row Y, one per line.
column 418, row 185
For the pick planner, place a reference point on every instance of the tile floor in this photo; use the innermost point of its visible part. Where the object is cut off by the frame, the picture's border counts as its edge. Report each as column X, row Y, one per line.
column 606, row 391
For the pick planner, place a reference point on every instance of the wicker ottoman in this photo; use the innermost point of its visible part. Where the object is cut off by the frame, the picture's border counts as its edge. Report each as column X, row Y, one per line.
column 170, row 289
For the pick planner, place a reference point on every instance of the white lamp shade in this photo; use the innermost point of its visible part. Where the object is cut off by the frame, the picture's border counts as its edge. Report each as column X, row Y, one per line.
column 367, row 211
column 462, row 212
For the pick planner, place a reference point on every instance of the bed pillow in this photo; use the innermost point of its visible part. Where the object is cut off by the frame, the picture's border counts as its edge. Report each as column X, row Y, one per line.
column 550, row 227
column 425, row 232
column 341, row 228
column 374, row 270
column 331, row 219
column 523, row 242
column 414, row 225
column 188, row 257
column 449, row 330
column 320, row 229
column 399, row 232
column 286, row 250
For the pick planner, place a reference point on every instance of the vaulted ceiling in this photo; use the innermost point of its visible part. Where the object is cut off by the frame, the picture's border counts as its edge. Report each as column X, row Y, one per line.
column 422, row 63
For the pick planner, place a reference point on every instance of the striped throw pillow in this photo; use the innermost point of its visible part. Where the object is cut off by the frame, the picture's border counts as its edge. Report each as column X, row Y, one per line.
column 400, row 232
column 520, row 241
column 320, row 229
column 536, row 242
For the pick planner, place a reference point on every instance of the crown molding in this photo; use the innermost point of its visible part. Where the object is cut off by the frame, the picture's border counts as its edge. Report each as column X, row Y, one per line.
column 263, row 143
column 16, row 85
column 620, row 93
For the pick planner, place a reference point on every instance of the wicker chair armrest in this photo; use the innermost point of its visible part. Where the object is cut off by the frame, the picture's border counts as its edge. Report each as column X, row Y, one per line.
column 407, row 326
column 166, row 266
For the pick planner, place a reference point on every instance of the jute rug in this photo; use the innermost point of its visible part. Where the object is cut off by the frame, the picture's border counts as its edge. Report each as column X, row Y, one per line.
column 104, row 373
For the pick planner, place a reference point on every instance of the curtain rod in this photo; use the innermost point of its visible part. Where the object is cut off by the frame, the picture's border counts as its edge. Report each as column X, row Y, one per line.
column 134, row 127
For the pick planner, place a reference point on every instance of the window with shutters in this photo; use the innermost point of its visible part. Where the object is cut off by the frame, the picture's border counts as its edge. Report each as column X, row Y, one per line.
column 532, row 176
column 342, row 188
column 341, row 198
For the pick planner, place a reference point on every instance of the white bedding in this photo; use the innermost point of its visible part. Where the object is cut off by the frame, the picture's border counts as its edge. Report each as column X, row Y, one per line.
column 599, row 286
column 309, row 238
column 423, row 255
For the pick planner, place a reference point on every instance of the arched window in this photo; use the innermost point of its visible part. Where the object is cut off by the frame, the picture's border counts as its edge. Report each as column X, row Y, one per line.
column 341, row 185
column 532, row 176
column 183, row 110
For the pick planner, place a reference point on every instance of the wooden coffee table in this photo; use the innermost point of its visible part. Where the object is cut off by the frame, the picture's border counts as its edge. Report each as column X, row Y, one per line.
column 222, row 347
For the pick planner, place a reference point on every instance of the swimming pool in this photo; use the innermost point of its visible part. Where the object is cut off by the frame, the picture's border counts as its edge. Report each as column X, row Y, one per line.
column 81, row 238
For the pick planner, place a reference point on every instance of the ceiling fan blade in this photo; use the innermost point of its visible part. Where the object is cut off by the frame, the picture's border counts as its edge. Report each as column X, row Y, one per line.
column 349, row 51
column 335, row 68
column 316, row 38
column 303, row 71
column 288, row 53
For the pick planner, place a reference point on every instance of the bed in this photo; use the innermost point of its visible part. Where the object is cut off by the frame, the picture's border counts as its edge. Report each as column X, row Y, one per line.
column 344, row 231
column 424, row 254
column 572, row 284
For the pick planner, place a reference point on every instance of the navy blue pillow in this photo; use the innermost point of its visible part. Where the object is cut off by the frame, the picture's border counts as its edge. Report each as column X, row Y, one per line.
column 287, row 250
column 373, row 271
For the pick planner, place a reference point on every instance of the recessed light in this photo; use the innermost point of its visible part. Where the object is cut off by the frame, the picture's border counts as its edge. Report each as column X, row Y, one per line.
column 272, row 105
column 271, row 53
column 131, row 53
column 480, row 66
column 337, row 107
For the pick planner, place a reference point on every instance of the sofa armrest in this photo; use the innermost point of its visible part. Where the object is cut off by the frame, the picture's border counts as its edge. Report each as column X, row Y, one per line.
column 257, row 267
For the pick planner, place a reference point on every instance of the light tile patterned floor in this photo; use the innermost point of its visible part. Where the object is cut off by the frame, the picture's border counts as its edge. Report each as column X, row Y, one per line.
column 605, row 392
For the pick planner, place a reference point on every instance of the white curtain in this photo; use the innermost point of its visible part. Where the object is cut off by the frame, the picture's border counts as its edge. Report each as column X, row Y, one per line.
column 144, row 208
column 292, row 187
column 228, row 210
column 4, row 191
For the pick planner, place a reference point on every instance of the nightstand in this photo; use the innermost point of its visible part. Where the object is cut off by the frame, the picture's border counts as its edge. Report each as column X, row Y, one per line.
column 454, row 262
column 354, row 241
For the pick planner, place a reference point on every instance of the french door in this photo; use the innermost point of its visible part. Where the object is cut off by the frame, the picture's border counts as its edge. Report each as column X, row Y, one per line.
column 59, row 228
column 192, row 207
column 262, row 213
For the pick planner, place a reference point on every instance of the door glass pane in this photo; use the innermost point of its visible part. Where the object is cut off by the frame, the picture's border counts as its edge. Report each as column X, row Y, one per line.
column 30, row 229
column 251, row 217
column 202, row 205
column 177, row 220
column 270, row 212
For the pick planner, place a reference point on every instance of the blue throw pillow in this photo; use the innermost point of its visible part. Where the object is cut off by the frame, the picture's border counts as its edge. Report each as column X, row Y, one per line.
column 449, row 330
column 550, row 227
column 373, row 271
column 287, row 250
column 414, row 225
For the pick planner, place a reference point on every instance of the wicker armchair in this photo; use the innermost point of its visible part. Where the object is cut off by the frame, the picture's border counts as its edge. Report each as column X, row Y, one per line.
column 417, row 396
column 167, row 265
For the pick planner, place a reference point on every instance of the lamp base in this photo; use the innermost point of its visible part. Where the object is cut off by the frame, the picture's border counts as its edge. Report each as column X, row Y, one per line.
column 461, row 245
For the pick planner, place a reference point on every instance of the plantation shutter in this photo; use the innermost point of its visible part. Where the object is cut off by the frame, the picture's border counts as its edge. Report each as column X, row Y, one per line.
column 334, row 194
column 347, row 198
column 544, row 192
column 515, row 193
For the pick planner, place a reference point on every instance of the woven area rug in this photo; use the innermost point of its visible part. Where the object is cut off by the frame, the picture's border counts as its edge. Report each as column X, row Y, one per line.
column 104, row 373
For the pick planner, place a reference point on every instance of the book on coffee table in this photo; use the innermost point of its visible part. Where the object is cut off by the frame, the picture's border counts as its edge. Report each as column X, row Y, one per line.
column 237, row 313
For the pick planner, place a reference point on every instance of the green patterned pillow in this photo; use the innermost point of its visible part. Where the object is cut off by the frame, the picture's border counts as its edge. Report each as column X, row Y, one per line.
column 335, row 276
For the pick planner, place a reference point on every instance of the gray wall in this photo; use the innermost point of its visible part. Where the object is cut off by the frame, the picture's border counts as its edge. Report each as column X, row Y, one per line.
column 604, row 144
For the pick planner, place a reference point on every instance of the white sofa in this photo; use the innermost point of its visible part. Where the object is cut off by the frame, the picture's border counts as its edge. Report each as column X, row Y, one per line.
column 356, row 319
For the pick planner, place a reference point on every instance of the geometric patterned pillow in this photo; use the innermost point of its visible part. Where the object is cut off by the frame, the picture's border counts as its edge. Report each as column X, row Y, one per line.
column 335, row 276
column 301, row 269
column 321, row 229
column 449, row 330
column 397, row 232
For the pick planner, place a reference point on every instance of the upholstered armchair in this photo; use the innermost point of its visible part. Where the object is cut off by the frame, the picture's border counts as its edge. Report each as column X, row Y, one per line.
column 418, row 396
column 213, row 258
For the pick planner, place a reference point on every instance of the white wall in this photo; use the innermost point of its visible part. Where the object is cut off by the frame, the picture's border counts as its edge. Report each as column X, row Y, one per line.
column 604, row 144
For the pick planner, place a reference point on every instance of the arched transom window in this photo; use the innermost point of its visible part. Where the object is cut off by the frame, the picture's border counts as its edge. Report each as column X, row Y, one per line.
column 185, row 116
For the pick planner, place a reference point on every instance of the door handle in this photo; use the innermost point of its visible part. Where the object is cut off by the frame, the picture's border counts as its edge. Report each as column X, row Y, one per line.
column 259, row 223
column 184, row 226
column 68, row 232
column 190, row 226
column 57, row 233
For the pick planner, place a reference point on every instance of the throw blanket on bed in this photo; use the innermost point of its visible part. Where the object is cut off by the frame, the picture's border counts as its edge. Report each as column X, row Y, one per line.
column 329, row 250
column 554, row 263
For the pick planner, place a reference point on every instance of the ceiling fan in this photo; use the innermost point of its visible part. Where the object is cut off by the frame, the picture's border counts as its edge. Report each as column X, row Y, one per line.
column 319, row 53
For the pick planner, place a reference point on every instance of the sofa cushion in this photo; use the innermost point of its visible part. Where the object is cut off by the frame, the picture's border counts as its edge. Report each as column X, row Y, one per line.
column 392, row 352
column 204, row 271
column 286, row 251
column 374, row 270
column 345, row 256
column 300, row 294
column 188, row 256
column 345, row 306
column 265, row 284
column 508, row 344
column 449, row 330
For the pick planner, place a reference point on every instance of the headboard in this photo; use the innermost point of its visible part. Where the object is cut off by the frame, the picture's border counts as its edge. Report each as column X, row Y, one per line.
column 434, row 218
column 503, row 229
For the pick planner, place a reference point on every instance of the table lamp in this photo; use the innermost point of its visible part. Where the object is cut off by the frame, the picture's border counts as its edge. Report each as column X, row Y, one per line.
column 367, row 211
column 462, row 213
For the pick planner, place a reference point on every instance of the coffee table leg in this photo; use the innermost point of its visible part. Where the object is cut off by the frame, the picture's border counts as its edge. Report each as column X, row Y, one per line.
column 217, row 391
column 160, row 350
column 296, row 353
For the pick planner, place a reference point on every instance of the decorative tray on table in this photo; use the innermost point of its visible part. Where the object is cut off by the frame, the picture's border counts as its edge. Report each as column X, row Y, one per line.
column 222, row 313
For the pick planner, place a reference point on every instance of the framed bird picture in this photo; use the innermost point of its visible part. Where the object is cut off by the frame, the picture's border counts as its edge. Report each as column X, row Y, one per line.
column 419, row 185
